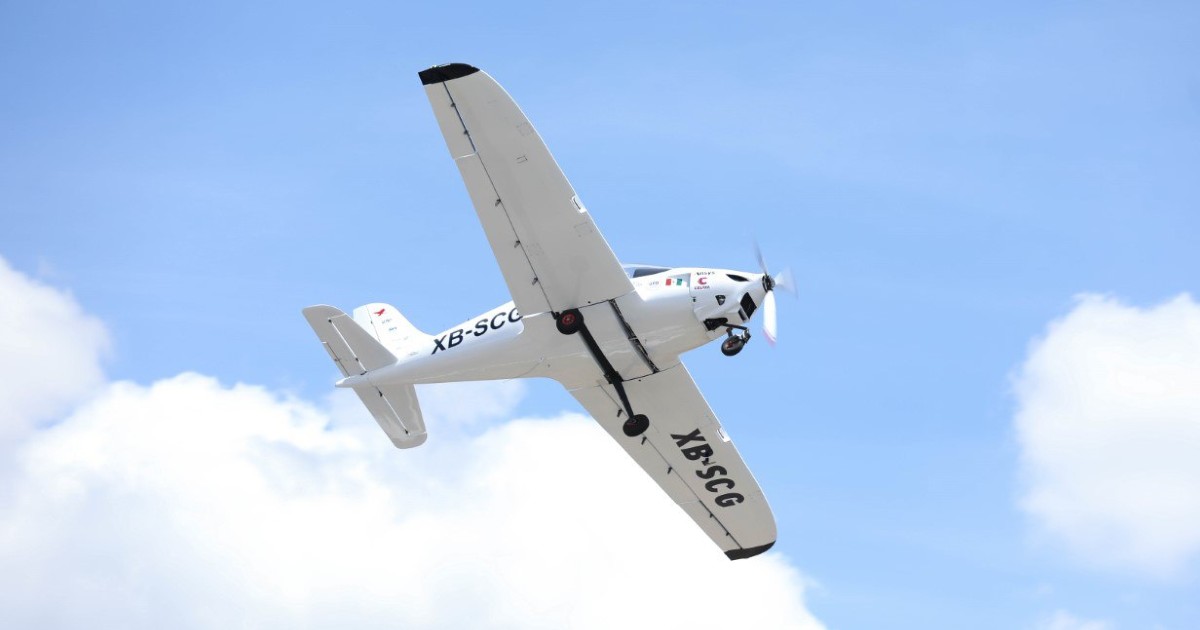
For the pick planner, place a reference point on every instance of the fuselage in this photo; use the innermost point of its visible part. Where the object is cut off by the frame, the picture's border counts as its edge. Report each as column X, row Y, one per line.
column 669, row 312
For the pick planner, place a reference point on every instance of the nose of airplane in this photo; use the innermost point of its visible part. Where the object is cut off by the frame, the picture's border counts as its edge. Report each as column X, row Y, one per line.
column 756, row 284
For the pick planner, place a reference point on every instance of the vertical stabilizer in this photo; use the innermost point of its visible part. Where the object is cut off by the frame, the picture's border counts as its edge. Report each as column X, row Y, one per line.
column 390, row 327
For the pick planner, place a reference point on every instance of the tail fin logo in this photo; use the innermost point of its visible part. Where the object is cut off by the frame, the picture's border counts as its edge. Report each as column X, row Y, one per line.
column 379, row 313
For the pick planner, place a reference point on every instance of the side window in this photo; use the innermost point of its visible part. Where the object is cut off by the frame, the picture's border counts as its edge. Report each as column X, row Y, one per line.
column 648, row 271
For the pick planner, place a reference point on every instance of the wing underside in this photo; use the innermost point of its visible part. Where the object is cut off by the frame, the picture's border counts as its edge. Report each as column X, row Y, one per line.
column 690, row 457
column 551, row 254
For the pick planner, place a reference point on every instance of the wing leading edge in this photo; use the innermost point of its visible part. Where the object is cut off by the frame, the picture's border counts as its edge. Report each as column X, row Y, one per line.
column 551, row 254
column 687, row 453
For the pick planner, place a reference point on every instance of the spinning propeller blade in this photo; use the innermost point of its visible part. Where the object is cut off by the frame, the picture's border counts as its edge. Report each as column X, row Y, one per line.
column 762, row 262
column 769, row 325
column 783, row 281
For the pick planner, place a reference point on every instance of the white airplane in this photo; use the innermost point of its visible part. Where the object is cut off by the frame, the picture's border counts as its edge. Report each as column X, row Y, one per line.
column 612, row 335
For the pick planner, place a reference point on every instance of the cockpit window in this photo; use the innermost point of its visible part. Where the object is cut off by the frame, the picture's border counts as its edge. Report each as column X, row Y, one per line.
column 640, row 271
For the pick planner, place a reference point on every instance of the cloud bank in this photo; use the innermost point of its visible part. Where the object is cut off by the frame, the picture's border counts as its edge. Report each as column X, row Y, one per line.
column 1108, row 424
column 189, row 503
column 50, row 349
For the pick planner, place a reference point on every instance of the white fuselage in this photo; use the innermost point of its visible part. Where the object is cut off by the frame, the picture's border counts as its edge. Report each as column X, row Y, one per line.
column 666, row 314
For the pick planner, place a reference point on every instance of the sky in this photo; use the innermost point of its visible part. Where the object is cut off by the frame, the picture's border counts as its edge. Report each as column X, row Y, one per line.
column 983, row 410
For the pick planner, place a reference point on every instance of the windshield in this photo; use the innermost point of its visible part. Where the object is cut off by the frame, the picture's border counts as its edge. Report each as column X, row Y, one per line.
column 638, row 271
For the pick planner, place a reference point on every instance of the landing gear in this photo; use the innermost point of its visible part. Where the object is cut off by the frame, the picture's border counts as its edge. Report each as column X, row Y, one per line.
column 636, row 425
column 569, row 322
column 733, row 344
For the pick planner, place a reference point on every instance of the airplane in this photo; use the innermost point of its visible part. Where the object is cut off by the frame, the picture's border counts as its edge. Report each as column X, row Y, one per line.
column 611, row 334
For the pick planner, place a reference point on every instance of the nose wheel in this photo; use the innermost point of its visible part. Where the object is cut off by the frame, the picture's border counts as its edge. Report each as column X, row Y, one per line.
column 733, row 344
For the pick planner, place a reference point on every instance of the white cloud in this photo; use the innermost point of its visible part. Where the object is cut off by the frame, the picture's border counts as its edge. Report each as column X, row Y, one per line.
column 51, row 351
column 1108, row 424
column 461, row 405
column 1063, row 620
column 187, row 503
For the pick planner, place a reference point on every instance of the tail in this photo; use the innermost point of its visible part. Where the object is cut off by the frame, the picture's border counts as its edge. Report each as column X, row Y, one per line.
column 357, row 350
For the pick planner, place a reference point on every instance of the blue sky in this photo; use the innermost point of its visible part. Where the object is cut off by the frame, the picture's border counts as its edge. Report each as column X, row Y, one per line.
column 944, row 180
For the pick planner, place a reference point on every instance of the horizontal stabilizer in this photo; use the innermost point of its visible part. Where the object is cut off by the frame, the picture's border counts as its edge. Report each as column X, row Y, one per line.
column 354, row 350
column 396, row 409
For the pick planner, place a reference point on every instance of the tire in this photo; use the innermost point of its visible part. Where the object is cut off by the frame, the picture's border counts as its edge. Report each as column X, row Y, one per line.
column 569, row 322
column 732, row 346
column 636, row 425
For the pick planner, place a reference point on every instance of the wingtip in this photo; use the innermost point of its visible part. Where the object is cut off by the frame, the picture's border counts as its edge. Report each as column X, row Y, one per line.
column 446, row 72
column 748, row 552
column 410, row 442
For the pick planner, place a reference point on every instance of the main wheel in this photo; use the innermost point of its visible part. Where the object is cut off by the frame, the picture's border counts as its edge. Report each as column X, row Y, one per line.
column 636, row 425
column 732, row 345
column 568, row 322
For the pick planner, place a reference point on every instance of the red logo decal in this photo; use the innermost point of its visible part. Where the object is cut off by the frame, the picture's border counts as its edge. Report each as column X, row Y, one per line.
column 380, row 312
column 702, row 281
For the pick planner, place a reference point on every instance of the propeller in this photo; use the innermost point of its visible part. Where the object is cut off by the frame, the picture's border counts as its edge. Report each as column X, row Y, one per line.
column 782, row 280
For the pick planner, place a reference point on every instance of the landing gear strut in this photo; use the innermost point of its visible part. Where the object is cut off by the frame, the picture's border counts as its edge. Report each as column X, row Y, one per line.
column 733, row 344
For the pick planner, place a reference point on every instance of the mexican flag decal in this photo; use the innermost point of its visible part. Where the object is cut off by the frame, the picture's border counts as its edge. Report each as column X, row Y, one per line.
column 677, row 281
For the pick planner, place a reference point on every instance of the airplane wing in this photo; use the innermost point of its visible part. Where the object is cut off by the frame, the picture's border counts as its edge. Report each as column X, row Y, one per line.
column 690, row 457
column 549, row 250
